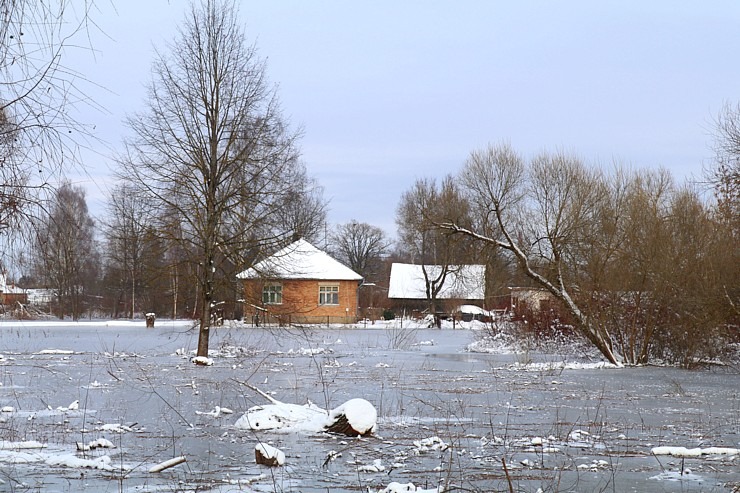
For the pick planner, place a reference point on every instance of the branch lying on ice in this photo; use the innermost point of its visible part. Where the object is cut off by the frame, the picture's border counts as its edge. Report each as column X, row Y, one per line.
column 217, row 412
column 263, row 394
column 167, row 464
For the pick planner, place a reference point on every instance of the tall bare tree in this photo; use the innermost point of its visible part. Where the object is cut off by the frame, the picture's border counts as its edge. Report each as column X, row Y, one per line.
column 724, row 175
column 66, row 254
column 131, row 248
column 213, row 148
column 361, row 246
column 541, row 214
column 303, row 210
column 639, row 264
column 419, row 213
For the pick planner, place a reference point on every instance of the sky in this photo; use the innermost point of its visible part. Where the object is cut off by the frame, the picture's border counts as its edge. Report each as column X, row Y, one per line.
column 388, row 92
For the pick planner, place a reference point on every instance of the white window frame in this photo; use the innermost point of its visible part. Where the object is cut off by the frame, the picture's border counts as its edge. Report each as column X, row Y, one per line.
column 272, row 294
column 329, row 294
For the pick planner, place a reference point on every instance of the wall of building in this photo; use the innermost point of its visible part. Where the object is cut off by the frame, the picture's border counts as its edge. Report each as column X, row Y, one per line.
column 535, row 299
column 301, row 303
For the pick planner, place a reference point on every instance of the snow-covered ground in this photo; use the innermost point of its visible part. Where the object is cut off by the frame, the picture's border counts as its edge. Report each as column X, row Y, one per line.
column 113, row 406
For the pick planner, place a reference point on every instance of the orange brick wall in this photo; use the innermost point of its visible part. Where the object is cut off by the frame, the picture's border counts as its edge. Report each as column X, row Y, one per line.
column 301, row 301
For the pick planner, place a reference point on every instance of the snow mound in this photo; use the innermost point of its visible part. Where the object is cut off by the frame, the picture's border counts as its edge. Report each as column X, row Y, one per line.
column 429, row 444
column 354, row 417
column 269, row 455
column 360, row 415
column 279, row 415
column 395, row 487
column 202, row 361
column 95, row 444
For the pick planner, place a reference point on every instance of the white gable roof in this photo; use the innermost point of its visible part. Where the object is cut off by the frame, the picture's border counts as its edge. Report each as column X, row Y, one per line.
column 300, row 260
column 465, row 282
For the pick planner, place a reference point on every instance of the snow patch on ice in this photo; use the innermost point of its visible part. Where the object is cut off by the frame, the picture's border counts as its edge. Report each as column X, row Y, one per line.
column 115, row 428
column 694, row 452
column 309, row 351
column 395, row 487
column 28, row 444
column 429, row 444
column 202, row 360
column 562, row 365
column 376, row 466
column 686, row 475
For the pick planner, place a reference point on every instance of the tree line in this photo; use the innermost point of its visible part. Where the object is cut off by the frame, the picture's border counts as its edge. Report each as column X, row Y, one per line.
column 642, row 267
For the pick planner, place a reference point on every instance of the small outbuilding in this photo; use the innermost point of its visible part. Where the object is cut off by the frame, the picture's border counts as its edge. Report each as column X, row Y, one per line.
column 300, row 284
column 461, row 282
column 411, row 285
column 529, row 298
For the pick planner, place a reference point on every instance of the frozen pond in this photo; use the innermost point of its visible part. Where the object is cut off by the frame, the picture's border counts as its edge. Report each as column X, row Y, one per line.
column 467, row 421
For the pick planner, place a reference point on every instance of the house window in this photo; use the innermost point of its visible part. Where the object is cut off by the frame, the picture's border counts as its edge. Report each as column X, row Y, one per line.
column 328, row 295
column 272, row 294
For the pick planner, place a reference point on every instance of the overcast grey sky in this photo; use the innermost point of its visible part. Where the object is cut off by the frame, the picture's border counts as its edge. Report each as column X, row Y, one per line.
column 391, row 91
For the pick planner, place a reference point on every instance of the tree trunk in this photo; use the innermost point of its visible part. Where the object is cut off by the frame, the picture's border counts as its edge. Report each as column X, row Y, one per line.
column 205, row 312
column 174, row 284
column 205, row 323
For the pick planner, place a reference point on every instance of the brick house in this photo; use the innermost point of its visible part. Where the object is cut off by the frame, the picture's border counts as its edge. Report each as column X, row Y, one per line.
column 10, row 294
column 300, row 284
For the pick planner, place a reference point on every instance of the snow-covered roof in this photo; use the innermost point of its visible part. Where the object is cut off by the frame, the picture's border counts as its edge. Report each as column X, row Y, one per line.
column 465, row 282
column 300, row 260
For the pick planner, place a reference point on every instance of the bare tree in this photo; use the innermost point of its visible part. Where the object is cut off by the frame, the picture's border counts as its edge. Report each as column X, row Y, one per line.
column 213, row 149
column 361, row 246
column 639, row 265
column 541, row 214
column 303, row 211
column 620, row 269
column 724, row 176
column 66, row 255
column 38, row 134
column 132, row 247
column 419, row 213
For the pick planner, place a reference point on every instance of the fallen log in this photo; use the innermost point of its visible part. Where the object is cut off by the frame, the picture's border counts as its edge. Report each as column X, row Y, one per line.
column 167, row 464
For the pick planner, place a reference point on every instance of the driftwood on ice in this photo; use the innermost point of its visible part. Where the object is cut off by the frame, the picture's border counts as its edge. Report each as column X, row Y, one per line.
column 167, row 464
